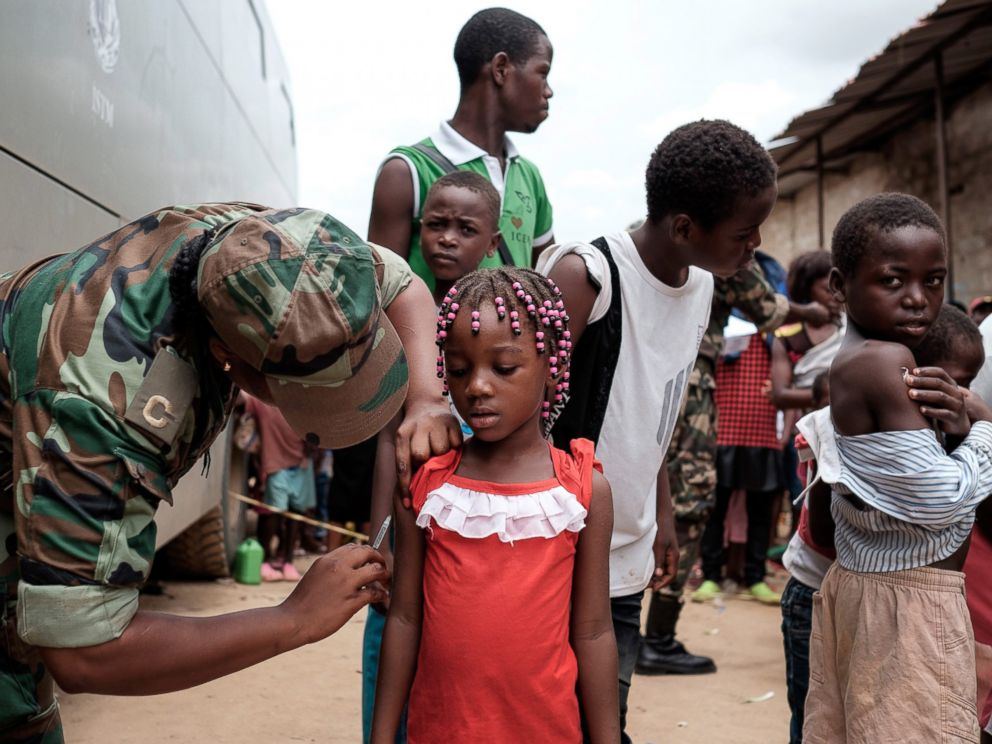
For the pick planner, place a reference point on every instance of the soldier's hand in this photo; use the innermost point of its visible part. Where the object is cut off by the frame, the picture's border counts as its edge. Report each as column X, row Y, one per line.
column 428, row 430
column 816, row 314
column 337, row 586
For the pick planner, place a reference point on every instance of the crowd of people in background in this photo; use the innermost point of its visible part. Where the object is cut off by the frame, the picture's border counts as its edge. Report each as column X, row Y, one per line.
column 629, row 409
column 701, row 500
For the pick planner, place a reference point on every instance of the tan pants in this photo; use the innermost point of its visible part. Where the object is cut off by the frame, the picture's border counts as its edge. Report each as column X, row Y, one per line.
column 892, row 659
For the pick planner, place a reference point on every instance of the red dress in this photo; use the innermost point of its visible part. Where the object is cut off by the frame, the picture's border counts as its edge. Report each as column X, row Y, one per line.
column 495, row 663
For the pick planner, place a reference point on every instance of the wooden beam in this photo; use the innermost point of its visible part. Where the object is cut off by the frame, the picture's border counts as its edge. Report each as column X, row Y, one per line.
column 943, row 195
column 820, row 217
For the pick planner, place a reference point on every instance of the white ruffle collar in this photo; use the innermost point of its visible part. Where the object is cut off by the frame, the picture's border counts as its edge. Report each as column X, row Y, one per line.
column 477, row 514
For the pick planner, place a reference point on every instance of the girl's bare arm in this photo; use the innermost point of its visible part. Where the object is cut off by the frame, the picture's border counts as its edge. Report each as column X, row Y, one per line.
column 401, row 638
column 784, row 395
column 592, row 623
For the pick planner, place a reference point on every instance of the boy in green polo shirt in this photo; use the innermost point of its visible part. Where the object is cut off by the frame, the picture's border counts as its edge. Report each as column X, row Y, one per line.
column 503, row 61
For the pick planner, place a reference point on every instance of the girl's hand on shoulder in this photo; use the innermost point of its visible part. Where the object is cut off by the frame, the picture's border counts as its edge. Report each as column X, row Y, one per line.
column 939, row 397
column 428, row 429
column 337, row 586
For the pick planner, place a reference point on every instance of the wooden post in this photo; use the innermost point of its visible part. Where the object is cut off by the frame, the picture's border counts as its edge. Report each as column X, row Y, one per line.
column 943, row 193
column 820, row 216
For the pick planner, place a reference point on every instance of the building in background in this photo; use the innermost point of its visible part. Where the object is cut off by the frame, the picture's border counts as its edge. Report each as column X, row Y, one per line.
column 917, row 118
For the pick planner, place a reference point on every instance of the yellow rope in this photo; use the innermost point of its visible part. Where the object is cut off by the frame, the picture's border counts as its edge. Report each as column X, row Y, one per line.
column 299, row 517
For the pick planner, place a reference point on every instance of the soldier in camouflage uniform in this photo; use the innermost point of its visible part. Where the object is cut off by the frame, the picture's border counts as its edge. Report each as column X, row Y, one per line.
column 119, row 364
column 692, row 460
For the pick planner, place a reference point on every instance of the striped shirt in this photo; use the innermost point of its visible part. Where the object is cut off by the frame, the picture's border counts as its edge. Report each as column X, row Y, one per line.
column 919, row 503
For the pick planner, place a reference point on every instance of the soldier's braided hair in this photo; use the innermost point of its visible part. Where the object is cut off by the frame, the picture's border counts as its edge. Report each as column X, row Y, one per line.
column 182, row 281
column 521, row 297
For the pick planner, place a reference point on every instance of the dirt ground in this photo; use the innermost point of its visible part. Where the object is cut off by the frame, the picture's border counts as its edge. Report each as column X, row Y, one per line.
column 314, row 694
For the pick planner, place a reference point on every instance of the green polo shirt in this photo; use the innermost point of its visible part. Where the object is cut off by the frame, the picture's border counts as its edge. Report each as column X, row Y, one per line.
column 525, row 218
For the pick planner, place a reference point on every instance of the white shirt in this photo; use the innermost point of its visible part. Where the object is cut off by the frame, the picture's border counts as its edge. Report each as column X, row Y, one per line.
column 982, row 384
column 661, row 330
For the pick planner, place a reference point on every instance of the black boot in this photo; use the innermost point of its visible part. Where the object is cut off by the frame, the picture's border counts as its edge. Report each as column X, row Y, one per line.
column 660, row 653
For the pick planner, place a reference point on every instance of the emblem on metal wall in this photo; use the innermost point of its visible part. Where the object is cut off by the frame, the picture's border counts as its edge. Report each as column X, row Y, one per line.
column 105, row 32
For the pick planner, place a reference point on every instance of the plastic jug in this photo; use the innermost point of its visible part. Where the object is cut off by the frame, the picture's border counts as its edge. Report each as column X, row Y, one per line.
column 248, row 562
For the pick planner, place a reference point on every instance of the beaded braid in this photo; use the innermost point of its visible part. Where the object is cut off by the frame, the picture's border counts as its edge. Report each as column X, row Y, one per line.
column 515, row 292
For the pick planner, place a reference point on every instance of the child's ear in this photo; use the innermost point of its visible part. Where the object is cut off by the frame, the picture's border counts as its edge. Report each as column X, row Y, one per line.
column 682, row 228
column 835, row 283
column 493, row 244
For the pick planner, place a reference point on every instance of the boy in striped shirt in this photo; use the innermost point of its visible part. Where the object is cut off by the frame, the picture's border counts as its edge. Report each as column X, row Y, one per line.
column 892, row 649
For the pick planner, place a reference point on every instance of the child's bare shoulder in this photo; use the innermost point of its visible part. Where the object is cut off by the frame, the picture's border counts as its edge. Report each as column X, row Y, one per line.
column 871, row 355
column 870, row 392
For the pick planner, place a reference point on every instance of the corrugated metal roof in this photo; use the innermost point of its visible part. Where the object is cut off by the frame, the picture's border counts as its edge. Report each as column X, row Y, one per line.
column 892, row 88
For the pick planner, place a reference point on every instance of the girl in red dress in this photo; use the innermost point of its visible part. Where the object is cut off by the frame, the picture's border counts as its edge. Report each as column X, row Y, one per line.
column 499, row 625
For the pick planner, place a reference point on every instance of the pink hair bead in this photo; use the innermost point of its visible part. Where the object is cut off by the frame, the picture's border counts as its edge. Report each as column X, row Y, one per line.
column 558, row 324
column 475, row 315
column 553, row 371
column 451, row 316
column 515, row 285
column 515, row 325
column 539, row 335
column 559, row 397
column 442, row 334
column 567, row 375
column 540, row 346
column 566, row 334
column 531, row 309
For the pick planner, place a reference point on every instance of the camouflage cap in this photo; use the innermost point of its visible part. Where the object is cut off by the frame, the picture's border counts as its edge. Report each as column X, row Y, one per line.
column 295, row 294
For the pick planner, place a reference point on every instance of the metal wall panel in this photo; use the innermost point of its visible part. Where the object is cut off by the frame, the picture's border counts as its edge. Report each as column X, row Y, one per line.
column 184, row 115
column 41, row 218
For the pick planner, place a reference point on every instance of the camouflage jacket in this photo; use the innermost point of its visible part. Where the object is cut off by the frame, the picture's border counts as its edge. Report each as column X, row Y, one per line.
column 749, row 292
column 104, row 405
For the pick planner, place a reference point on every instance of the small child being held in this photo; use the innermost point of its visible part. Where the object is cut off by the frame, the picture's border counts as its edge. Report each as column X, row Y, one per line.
column 954, row 344
column 500, row 615
column 892, row 648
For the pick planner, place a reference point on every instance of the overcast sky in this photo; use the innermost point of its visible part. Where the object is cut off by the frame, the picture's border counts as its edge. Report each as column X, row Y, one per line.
column 368, row 76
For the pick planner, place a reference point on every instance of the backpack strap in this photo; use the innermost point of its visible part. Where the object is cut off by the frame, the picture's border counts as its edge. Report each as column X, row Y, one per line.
column 448, row 167
column 434, row 154
column 593, row 366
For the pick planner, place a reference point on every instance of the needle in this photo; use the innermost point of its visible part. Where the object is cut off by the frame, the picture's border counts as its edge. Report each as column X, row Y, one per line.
column 382, row 532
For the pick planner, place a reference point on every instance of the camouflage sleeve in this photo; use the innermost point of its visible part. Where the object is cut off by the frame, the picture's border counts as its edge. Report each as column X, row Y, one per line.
column 396, row 273
column 86, row 493
column 750, row 292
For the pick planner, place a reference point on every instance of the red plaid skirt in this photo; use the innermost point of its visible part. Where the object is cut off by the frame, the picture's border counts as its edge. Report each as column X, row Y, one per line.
column 746, row 416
